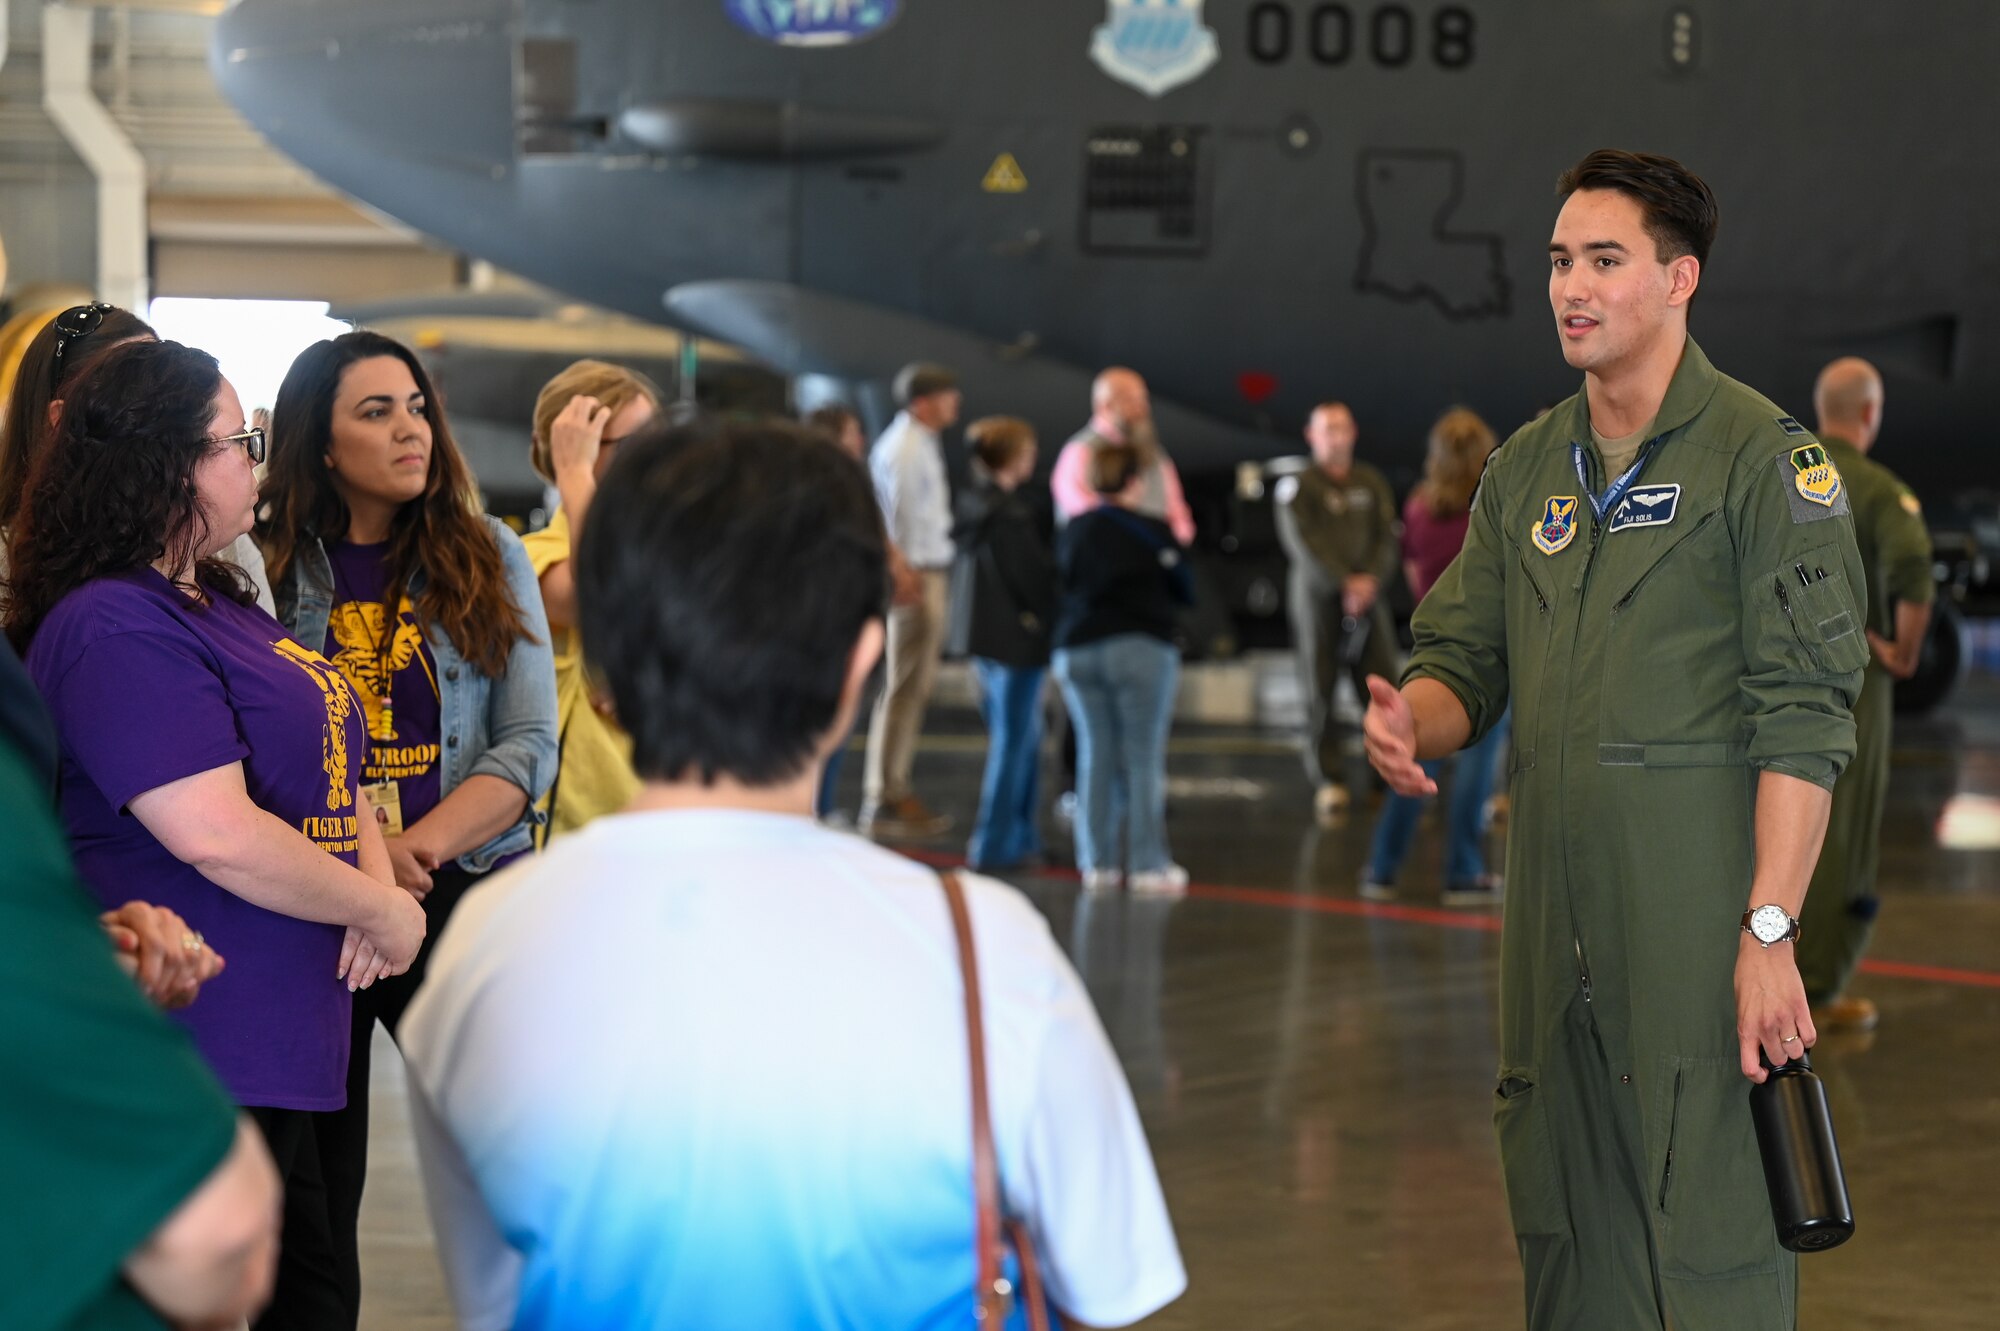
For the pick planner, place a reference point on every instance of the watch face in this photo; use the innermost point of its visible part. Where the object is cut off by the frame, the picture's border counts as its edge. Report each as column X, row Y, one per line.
column 1770, row 923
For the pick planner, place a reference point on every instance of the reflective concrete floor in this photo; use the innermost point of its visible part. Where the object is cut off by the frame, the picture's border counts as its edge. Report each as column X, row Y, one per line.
column 1316, row 1072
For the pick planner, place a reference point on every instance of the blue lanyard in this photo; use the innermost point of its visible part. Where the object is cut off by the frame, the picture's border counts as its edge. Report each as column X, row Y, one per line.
column 1614, row 496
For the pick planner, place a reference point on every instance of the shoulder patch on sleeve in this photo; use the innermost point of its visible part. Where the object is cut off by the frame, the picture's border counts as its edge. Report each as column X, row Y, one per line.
column 1813, row 485
column 1910, row 504
column 1790, row 426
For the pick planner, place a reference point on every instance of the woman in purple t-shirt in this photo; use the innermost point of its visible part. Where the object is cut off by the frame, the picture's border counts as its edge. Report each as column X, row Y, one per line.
column 1435, row 521
column 381, row 559
column 234, row 750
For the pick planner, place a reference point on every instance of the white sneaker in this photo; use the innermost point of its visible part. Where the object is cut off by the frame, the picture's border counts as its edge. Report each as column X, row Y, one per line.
column 1329, row 802
column 1171, row 881
column 1102, row 880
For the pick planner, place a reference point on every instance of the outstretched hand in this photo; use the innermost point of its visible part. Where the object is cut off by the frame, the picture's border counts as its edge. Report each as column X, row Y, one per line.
column 1389, row 731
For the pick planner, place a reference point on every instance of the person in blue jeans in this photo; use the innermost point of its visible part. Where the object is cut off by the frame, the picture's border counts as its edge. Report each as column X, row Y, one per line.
column 1002, row 616
column 1123, row 574
column 1435, row 520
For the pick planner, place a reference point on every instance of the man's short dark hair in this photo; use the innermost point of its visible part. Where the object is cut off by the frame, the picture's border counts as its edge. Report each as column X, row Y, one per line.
column 920, row 379
column 1678, row 208
column 725, row 574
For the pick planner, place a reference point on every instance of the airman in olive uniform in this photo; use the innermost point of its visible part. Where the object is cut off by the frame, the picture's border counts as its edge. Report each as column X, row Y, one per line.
column 1337, row 522
column 1681, row 641
column 1896, row 556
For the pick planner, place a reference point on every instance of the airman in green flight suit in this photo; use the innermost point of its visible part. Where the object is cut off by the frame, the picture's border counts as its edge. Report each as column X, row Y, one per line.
column 1661, row 574
column 1896, row 555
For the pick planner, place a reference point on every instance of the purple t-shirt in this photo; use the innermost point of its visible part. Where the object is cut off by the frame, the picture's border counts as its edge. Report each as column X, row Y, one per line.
column 393, row 673
column 147, row 687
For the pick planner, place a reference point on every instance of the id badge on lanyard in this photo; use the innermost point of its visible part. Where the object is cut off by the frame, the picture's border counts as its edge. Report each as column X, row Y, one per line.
column 1607, row 504
column 385, row 800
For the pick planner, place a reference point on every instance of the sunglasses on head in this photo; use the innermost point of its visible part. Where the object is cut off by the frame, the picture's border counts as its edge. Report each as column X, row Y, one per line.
column 74, row 323
column 252, row 440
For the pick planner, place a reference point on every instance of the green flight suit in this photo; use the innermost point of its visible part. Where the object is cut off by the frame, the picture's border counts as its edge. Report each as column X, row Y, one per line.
column 1330, row 530
column 1708, row 631
column 1839, row 913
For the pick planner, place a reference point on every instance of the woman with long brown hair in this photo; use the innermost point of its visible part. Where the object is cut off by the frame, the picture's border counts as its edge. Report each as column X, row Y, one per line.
column 381, row 559
column 1435, row 519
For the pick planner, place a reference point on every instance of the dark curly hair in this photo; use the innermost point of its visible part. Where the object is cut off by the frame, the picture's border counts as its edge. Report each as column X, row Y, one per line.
column 40, row 380
column 114, row 490
column 441, row 532
column 1679, row 208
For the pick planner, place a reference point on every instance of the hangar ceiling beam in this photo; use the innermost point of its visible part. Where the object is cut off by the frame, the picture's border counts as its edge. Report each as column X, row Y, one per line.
column 122, row 271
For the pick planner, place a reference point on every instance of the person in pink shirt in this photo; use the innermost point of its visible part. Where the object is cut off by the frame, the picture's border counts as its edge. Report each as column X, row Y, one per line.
column 1435, row 521
column 1121, row 412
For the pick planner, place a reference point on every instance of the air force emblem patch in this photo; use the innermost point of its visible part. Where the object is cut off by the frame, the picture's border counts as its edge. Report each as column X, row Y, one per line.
column 1818, row 479
column 1154, row 45
column 1647, row 506
column 1812, row 483
column 1557, row 527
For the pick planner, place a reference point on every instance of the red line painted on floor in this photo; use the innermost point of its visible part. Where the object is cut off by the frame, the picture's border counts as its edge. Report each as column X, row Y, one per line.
column 1475, row 921
column 1903, row 970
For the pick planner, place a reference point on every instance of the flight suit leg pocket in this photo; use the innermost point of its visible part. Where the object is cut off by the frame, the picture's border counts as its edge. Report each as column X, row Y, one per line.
column 1714, row 1218
column 1528, row 1159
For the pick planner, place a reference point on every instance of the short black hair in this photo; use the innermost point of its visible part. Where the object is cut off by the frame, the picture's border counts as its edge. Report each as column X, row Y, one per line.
column 1678, row 207
column 724, row 576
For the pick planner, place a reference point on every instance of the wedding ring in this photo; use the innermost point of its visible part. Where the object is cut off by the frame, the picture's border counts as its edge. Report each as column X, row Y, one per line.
column 1791, row 1039
column 191, row 942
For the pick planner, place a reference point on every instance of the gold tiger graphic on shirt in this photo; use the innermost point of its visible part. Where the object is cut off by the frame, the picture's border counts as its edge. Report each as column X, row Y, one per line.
column 358, row 629
column 339, row 706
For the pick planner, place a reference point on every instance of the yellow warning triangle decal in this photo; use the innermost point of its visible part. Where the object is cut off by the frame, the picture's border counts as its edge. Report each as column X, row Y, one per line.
column 1005, row 176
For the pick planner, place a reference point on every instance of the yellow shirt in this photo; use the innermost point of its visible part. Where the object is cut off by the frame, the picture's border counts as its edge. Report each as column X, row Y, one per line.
column 595, row 774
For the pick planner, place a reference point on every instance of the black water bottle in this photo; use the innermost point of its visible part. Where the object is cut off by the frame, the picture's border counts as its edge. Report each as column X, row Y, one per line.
column 1801, row 1159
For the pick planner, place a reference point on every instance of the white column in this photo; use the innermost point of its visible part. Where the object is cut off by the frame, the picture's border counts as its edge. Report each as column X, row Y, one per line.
column 122, row 273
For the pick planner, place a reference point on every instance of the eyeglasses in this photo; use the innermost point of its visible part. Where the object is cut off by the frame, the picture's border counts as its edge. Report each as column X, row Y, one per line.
column 252, row 440
column 78, row 321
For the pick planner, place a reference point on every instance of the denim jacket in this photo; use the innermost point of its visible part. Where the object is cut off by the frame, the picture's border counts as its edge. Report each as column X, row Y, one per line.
column 504, row 727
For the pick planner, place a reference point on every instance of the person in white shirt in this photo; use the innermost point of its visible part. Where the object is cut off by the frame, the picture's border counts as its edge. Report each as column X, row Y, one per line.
column 704, row 1063
column 907, row 464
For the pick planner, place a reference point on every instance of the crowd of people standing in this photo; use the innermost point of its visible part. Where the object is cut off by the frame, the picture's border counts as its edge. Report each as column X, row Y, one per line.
column 328, row 746
column 286, row 695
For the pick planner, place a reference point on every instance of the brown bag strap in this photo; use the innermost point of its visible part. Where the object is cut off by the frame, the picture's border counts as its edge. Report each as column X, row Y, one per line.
column 992, row 1294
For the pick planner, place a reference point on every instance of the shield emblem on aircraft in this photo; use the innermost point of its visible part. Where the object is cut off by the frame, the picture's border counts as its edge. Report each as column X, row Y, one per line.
column 813, row 22
column 1154, row 45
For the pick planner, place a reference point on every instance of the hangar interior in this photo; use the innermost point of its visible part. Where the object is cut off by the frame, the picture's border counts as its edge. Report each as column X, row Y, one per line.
column 1314, row 1070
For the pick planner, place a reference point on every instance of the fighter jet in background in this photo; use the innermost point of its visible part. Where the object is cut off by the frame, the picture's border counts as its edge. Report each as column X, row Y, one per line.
column 1259, row 204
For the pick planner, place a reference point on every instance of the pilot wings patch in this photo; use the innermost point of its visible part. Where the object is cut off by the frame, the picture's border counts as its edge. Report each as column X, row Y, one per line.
column 1647, row 506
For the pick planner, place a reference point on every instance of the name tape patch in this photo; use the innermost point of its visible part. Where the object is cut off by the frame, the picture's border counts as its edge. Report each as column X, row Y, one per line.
column 1647, row 506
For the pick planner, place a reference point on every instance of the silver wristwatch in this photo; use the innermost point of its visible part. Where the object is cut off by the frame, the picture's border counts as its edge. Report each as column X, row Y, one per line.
column 1770, row 924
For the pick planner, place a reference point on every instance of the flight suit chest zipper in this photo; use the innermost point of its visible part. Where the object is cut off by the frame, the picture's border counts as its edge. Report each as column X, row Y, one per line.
column 1619, row 606
column 1569, row 681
